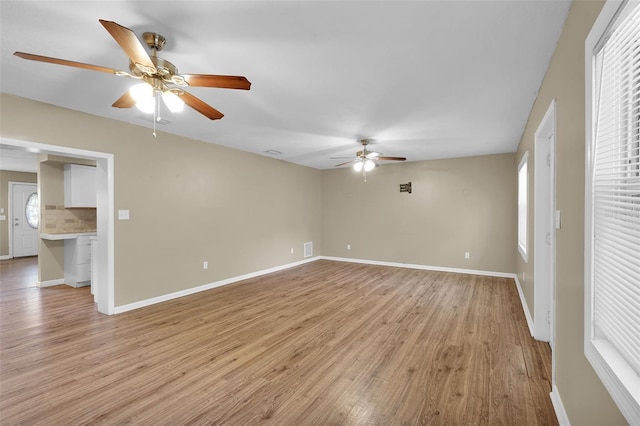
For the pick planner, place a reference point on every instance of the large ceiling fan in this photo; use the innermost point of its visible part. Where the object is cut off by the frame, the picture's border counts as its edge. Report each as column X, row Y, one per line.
column 159, row 77
column 366, row 160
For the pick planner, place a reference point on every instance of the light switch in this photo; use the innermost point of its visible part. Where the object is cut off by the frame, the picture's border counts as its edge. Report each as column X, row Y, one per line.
column 557, row 219
column 2, row 210
column 123, row 214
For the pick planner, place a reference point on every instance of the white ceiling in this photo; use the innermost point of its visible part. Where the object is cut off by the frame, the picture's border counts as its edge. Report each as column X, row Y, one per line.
column 425, row 79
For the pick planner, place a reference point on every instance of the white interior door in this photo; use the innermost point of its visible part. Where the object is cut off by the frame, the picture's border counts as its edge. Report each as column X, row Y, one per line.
column 24, row 235
column 545, row 230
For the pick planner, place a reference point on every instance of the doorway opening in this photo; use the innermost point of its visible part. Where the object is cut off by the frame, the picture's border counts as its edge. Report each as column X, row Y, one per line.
column 104, row 273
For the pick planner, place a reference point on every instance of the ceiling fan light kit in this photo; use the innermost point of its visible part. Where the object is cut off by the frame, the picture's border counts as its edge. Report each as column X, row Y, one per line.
column 159, row 76
column 366, row 165
column 365, row 160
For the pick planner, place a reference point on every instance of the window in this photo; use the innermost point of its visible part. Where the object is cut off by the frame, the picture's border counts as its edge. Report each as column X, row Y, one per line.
column 32, row 211
column 612, row 208
column 523, row 205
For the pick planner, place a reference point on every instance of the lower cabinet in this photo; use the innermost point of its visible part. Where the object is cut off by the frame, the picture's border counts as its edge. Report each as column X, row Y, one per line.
column 77, row 261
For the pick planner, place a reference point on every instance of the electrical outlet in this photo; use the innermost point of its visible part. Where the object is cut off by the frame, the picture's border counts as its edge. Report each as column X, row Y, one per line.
column 123, row 214
column 467, row 255
column 205, row 265
column 348, row 246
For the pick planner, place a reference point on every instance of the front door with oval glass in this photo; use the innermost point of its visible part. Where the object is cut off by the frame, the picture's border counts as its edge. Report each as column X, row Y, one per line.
column 25, row 219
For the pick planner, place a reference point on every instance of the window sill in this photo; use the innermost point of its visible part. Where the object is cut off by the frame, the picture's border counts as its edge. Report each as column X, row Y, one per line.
column 622, row 382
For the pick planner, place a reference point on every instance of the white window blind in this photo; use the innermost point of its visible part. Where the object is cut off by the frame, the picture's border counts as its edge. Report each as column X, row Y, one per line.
column 616, row 191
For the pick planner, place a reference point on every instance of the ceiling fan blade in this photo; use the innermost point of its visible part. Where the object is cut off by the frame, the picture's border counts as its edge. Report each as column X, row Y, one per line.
column 221, row 81
column 131, row 46
column 125, row 101
column 200, row 106
column 345, row 163
column 391, row 158
column 57, row 61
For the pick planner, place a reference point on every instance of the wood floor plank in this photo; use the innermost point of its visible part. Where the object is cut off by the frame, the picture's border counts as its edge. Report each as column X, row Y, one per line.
column 322, row 343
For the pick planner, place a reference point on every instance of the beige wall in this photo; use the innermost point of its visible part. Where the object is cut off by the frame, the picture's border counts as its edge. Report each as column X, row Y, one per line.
column 584, row 397
column 457, row 205
column 5, row 178
column 189, row 201
column 51, row 190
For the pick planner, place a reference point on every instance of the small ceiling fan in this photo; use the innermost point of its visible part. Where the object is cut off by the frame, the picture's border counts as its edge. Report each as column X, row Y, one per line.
column 366, row 159
column 159, row 77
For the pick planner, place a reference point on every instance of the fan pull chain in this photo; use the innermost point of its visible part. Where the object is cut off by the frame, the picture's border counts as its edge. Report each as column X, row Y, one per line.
column 155, row 113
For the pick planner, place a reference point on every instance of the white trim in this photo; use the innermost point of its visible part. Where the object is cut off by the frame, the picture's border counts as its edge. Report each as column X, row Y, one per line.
column 617, row 376
column 558, row 407
column 188, row 291
column 544, row 206
column 166, row 297
column 525, row 307
column 614, row 373
column 49, row 283
column 5, row 257
column 423, row 267
column 524, row 249
column 105, row 212
column 10, row 217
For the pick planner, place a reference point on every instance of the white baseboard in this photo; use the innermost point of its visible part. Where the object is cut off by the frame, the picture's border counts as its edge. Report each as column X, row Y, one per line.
column 561, row 414
column 186, row 292
column 5, row 257
column 523, row 301
column 49, row 283
column 423, row 267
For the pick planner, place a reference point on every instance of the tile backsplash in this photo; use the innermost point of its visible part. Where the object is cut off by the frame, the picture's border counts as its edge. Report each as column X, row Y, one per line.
column 62, row 220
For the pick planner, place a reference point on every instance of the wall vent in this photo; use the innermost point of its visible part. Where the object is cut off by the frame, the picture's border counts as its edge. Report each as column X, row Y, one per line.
column 308, row 249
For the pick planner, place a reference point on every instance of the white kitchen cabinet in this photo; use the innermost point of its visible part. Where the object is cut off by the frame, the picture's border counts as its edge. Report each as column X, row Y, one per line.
column 79, row 186
column 77, row 261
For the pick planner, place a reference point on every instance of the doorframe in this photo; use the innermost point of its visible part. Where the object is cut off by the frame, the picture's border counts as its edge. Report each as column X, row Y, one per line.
column 545, row 224
column 105, row 208
column 10, row 212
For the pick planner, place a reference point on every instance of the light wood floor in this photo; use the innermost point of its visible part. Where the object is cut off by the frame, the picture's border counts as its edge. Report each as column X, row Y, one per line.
column 18, row 273
column 323, row 343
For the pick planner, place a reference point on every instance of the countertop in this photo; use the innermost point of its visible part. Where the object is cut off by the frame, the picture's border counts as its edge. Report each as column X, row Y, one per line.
column 66, row 236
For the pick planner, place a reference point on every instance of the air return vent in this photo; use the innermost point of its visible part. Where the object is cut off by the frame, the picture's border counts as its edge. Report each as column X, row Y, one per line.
column 308, row 249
